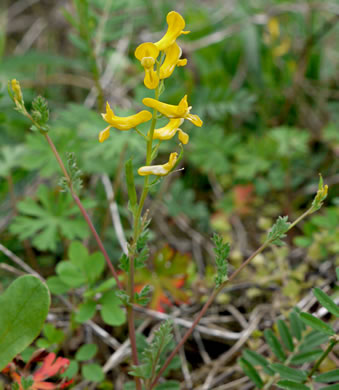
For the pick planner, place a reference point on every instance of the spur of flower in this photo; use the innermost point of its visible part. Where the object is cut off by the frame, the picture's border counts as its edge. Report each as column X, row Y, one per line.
column 172, row 59
column 182, row 110
column 160, row 170
column 122, row 123
column 167, row 132
column 176, row 25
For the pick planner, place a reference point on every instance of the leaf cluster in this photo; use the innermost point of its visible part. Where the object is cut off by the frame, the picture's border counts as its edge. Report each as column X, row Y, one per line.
column 152, row 354
column 84, row 270
column 297, row 345
column 48, row 218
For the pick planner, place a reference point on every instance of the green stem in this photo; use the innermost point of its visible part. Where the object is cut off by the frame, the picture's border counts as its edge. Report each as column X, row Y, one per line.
column 322, row 357
column 136, row 232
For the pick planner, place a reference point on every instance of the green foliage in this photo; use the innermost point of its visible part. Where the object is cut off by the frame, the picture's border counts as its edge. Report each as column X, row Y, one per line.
column 296, row 350
column 181, row 201
column 278, row 230
column 53, row 337
column 86, row 270
column 143, row 298
column 222, row 251
column 132, row 195
column 316, row 324
column 86, row 352
column 47, row 219
column 149, row 364
column 74, row 174
column 40, row 114
column 92, row 372
column 10, row 159
column 23, row 309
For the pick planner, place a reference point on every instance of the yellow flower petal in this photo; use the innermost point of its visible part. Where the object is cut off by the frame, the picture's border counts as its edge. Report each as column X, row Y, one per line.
column 151, row 79
column 104, row 134
column 194, row 119
column 176, row 24
column 128, row 122
column 147, row 54
column 167, row 132
column 147, row 49
column 169, row 110
column 159, row 170
column 183, row 137
column 173, row 53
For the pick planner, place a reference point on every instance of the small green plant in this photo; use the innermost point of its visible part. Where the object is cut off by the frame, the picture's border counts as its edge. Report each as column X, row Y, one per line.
column 295, row 356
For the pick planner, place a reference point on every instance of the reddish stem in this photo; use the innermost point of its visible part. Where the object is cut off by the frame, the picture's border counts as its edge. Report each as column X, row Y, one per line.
column 203, row 311
column 83, row 211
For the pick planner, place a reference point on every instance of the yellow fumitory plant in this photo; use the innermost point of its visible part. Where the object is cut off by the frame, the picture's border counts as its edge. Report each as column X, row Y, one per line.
column 159, row 60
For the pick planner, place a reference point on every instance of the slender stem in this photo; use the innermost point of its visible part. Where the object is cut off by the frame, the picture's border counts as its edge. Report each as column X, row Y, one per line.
column 136, row 232
column 83, row 211
column 211, row 299
column 322, row 357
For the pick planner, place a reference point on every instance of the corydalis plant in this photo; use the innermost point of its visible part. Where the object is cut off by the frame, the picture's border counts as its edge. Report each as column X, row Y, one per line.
column 159, row 60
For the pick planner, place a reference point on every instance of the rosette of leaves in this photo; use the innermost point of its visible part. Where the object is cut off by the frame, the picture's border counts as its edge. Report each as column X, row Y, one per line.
column 84, row 271
column 296, row 352
column 48, row 218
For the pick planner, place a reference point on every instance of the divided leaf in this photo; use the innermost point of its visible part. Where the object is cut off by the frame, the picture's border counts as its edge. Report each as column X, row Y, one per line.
column 251, row 372
column 289, row 373
column 222, row 251
column 278, row 230
column 275, row 345
column 285, row 335
column 316, row 324
column 326, row 301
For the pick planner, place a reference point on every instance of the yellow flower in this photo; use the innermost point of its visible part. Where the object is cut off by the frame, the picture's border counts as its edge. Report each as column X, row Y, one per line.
column 282, row 48
column 182, row 110
column 176, row 24
column 273, row 28
column 16, row 89
column 169, row 131
column 159, row 170
column 147, row 54
column 173, row 54
column 122, row 123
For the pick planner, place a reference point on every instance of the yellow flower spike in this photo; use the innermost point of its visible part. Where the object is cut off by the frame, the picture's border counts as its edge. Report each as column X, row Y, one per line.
column 182, row 110
column 147, row 54
column 159, row 170
column 122, row 123
column 172, row 59
column 176, row 24
column 167, row 132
